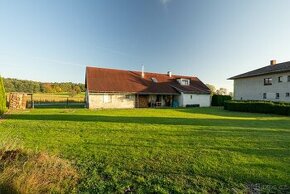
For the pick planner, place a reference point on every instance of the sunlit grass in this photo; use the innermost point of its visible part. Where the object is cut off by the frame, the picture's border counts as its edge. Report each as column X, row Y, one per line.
column 161, row 150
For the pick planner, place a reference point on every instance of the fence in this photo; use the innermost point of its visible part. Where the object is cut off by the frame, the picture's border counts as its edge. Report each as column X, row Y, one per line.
column 52, row 101
column 64, row 102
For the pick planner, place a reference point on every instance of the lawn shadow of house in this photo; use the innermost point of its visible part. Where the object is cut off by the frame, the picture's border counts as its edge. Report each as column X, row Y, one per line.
column 219, row 111
column 213, row 122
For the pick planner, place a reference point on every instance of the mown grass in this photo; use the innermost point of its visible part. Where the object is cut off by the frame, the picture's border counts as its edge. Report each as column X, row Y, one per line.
column 162, row 150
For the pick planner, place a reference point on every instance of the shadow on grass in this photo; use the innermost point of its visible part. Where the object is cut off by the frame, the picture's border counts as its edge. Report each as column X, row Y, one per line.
column 219, row 111
column 263, row 124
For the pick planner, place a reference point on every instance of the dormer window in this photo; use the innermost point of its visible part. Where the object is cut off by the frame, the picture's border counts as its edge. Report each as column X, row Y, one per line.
column 185, row 82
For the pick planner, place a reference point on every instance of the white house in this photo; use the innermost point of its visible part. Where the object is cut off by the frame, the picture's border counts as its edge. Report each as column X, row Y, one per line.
column 112, row 88
column 271, row 82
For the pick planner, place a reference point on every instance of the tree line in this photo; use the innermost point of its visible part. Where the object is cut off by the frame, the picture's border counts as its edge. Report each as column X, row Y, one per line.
column 220, row 91
column 27, row 86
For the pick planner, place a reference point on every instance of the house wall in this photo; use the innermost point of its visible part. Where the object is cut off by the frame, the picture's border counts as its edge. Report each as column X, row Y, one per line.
column 253, row 88
column 202, row 99
column 117, row 101
column 96, row 101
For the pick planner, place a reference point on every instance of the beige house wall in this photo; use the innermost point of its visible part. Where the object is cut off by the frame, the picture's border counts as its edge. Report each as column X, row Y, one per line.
column 114, row 101
column 253, row 88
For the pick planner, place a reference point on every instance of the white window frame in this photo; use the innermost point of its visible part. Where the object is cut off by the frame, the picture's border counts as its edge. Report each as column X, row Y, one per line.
column 185, row 82
column 107, row 98
column 268, row 81
column 128, row 96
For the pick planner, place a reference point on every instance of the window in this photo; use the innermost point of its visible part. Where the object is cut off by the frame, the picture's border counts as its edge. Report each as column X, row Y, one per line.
column 264, row 95
column 107, row 98
column 277, row 95
column 287, row 94
column 128, row 96
column 280, row 79
column 190, row 96
column 288, row 78
column 267, row 81
column 184, row 82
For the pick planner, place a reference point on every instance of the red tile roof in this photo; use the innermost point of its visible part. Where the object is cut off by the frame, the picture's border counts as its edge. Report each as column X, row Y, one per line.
column 99, row 80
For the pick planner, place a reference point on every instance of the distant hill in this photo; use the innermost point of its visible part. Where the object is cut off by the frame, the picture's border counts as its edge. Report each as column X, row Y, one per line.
column 17, row 85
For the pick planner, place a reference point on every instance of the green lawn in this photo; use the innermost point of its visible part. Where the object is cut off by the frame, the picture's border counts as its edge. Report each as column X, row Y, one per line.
column 161, row 150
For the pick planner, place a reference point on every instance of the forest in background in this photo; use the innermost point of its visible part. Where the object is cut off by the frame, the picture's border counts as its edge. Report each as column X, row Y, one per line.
column 27, row 86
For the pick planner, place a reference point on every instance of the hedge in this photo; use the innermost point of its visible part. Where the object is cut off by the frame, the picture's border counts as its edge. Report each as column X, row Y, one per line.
column 268, row 107
column 2, row 97
column 218, row 100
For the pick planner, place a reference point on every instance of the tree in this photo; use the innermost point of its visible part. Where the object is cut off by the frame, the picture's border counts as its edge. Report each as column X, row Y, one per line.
column 222, row 91
column 15, row 85
column 9, row 86
column 47, row 88
column 77, row 89
column 212, row 89
column 57, row 88
column 72, row 93
column 2, row 97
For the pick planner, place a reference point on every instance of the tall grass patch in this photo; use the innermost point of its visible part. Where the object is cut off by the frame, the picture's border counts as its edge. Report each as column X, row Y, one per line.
column 22, row 171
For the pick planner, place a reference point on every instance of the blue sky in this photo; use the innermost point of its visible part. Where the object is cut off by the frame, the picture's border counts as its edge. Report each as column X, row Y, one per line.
column 53, row 40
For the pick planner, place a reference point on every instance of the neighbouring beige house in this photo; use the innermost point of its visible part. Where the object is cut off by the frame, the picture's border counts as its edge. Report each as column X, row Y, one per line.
column 271, row 82
column 112, row 88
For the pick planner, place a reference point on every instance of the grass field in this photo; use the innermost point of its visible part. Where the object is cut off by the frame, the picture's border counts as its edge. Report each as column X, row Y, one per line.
column 205, row 150
column 57, row 97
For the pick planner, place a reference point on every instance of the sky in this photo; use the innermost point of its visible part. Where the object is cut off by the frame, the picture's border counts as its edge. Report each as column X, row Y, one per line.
column 54, row 40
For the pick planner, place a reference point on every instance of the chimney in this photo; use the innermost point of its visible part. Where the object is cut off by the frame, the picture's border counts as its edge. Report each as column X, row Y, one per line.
column 142, row 74
column 273, row 62
column 169, row 73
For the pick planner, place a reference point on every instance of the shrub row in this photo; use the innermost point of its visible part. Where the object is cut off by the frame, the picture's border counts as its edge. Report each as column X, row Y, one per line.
column 267, row 107
column 2, row 97
column 218, row 100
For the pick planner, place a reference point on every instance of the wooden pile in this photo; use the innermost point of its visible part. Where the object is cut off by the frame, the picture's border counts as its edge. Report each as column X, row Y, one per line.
column 17, row 101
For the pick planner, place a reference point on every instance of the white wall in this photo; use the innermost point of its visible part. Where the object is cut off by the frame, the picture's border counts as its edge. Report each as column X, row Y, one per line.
column 202, row 99
column 117, row 101
column 253, row 88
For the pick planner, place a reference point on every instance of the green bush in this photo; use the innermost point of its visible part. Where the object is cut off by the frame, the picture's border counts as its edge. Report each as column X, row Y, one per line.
column 268, row 107
column 218, row 100
column 2, row 97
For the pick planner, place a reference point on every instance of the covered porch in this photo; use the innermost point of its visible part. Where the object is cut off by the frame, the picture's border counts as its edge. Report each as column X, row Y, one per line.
column 156, row 100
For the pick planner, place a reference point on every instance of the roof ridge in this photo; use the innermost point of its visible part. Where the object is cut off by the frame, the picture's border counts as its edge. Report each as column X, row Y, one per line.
column 175, row 75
